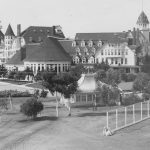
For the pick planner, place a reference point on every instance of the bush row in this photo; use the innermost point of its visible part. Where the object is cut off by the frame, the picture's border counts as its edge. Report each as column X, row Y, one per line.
column 14, row 93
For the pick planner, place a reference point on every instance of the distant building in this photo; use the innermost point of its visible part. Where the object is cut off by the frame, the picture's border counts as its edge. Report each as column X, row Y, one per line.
column 31, row 35
column 47, row 55
column 117, row 49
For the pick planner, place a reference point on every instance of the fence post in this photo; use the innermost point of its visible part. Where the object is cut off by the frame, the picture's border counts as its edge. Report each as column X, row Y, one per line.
column 107, row 119
column 141, row 110
column 125, row 116
column 116, row 118
column 148, row 108
column 133, row 114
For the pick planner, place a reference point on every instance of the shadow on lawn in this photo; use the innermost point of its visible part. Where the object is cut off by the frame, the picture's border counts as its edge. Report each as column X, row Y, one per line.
column 91, row 114
column 43, row 118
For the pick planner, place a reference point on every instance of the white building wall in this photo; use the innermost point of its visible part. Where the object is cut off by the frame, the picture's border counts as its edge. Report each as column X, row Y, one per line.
column 116, row 55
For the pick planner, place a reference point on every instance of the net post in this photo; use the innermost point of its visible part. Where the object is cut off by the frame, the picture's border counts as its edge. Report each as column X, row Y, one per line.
column 148, row 108
column 125, row 110
column 107, row 120
column 141, row 110
column 116, row 119
column 133, row 113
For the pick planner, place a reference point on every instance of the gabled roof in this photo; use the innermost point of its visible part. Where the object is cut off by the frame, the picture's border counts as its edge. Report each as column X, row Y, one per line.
column 111, row 37
column 88, row 84
column 16, row 59
column 142, row 19
column 36, row 34
column 67, row 45
column 49, row 50
column 9, row 31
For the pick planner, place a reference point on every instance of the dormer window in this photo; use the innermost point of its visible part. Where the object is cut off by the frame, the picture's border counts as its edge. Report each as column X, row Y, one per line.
column 34, row 30
column 90, row 44
column 74, row 44
column 83, row 60
column 99, row 44
column 76, row 60
column 82, row 43
column 41, row 30
column 47, row 31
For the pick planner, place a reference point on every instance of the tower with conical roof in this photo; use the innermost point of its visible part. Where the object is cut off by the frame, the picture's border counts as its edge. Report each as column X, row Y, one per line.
column 9, row 37
column 143, row 25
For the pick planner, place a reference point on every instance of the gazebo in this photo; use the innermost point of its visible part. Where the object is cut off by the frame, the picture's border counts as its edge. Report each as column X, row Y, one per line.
column 88, row 90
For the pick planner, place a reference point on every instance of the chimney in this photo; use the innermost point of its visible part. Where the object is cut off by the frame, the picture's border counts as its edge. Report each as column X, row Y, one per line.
column 18, row 29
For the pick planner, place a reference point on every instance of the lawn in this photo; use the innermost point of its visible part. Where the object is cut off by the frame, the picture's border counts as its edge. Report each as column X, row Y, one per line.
column 81, row 131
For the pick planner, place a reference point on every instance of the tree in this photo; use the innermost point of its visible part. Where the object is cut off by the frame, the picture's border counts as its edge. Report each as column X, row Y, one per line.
column 141, row 82
column 146, row 64
column 31, row 107
column 101, row 66
column 63, row 83
column 3, row 70
column 100, row 75
column 77, row 71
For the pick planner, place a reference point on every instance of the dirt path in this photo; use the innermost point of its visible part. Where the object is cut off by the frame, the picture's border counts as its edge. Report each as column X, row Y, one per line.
column 81, row 131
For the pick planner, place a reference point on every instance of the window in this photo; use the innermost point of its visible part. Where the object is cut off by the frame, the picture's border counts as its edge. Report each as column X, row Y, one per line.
column 126, row 61
column 116, row 61
column 108, row 52
column 112, row 60
column 121, row 60
column 105, row 52
column 112, row 52
column 115, row 52
column 102, row 52
column 119, row 52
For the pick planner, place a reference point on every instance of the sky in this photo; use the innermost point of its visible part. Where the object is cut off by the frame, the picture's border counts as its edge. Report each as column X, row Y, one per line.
column 74, row 16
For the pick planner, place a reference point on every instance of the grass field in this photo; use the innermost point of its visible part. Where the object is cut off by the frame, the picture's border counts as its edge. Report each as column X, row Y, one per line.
column 81, row 131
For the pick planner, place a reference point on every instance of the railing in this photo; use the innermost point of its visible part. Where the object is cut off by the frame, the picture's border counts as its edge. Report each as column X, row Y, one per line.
column 126, row 116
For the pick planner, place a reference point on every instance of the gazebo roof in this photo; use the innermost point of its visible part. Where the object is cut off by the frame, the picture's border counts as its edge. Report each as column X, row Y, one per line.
column 88, row 84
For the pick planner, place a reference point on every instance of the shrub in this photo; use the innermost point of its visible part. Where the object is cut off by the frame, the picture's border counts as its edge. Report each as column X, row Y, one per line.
column 3, row 103
column 43, row 93
column 131, row 77
column 31, row 107
column 14, row 93
column 131, row 99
